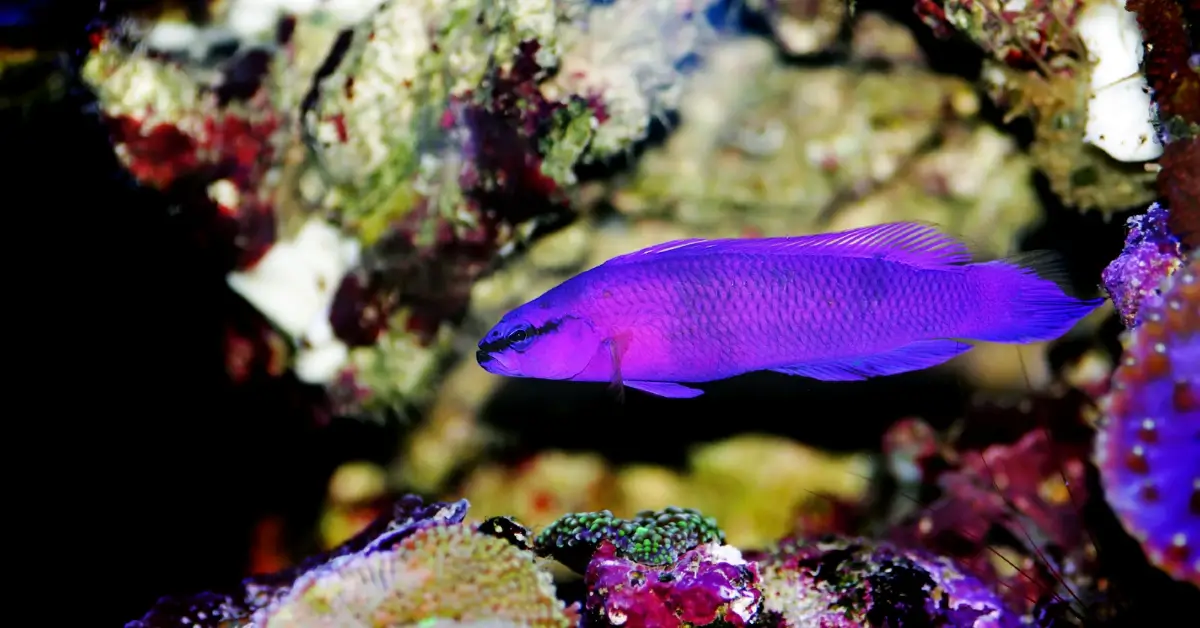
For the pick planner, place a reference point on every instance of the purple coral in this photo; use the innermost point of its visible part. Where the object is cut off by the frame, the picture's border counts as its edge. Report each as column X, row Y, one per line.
column 844, row 583
column 1148, row 448
column 1151, row 253
column 708, row 584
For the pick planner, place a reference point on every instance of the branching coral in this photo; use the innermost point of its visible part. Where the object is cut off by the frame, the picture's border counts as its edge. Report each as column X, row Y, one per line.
column 1148, row 449
column 649, row 538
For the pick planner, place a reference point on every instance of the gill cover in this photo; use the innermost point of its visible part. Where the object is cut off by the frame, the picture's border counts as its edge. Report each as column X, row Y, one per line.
column 553, row 348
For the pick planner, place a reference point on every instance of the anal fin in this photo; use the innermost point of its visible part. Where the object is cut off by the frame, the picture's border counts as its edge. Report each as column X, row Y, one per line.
column 911, row 357
column 665, row 389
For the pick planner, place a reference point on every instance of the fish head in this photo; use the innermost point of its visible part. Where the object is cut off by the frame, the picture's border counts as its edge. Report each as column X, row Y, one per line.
column 533, row 342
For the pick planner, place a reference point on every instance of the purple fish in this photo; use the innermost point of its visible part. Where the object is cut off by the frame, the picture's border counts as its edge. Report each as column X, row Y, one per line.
column 838, row 306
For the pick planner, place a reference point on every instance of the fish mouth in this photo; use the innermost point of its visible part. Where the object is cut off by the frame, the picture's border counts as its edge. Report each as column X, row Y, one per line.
column 492, row 363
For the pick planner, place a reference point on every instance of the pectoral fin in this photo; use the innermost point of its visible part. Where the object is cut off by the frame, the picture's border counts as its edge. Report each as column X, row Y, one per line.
column 911, row 357
column 666, row 389
column 616, row 383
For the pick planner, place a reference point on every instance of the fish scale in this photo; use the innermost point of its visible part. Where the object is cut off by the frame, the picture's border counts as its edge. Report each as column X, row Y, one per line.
column 839, row 306
column 749, row 317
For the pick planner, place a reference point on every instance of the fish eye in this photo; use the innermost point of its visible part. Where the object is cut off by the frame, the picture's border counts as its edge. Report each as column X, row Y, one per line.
column 518, row 335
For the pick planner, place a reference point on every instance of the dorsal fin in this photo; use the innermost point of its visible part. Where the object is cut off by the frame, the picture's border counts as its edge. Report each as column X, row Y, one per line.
column 915, row 243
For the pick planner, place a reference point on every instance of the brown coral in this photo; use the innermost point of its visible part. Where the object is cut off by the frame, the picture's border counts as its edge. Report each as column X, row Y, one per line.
column 1179, row 183
column 1168, row 49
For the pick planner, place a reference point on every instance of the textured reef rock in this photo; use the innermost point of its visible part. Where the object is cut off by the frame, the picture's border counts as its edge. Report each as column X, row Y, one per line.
column 845, row 583
column 1173, row 69
column 446, row 571
column 649, row 538
column 768, row 148
column 1073, row 67
column 660, row 568
column 790, row 479
column 408, row 515
column 364, row 173
column 802, row 27
column 1148, row 447
column 711, row 584
column 207, row 143
column 1150, row 255
column 1010, row 512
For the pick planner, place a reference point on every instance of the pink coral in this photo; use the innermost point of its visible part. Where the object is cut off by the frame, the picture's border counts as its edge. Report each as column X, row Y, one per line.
column 708, row 584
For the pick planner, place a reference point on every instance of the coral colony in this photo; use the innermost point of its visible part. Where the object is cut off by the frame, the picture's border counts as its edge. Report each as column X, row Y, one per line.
column 381, row 180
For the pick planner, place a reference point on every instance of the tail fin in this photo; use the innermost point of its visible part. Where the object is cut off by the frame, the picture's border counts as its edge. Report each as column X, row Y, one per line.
column 1026, row 298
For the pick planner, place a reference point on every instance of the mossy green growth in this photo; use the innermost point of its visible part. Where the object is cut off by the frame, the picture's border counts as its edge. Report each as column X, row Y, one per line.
column 571, row 132
column 651, row 537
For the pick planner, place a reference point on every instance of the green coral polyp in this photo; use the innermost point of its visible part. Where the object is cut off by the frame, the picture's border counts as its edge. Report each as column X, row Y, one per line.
column 649, row 538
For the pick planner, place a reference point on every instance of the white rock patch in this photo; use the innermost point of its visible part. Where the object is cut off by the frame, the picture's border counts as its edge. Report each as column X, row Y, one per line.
column 1120, row 113
column 293, row 285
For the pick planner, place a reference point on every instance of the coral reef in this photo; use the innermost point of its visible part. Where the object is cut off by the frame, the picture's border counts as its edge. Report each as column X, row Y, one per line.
column 1151, row 254
column 1073, row 67
column 1148, row 448
column 790, row 480
column 757, row 139
column 445, row 571
column 649, row 538
column 854, row 582
column 1173, row 69
column 1024, row 498
column 708, row 585
column 407, row 516
column 378, row 180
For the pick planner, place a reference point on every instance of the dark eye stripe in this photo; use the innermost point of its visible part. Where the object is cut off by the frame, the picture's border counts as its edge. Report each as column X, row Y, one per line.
column 502, row 343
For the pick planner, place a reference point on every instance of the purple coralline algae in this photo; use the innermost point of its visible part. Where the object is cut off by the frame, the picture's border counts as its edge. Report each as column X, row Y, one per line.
column 711, row 583
column 1148, row 446
column 844, row 583
column 409, row 514
column 1151, row 254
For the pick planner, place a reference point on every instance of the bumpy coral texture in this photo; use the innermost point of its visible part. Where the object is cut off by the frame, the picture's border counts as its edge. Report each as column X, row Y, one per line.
column 650, row 538
column 1175, row 81
column 1020, row 34
column 843, row 583
column 709, row 584
column 1173, row 70
column 1148, row 449
column 441, row 572
column 408, row 515
column 1179, row 184
column 1150, row 255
